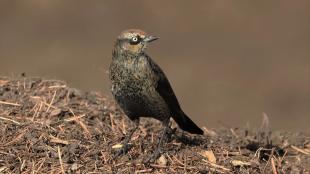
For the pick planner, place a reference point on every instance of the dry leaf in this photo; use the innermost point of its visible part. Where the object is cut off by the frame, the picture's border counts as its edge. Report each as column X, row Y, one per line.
column 209, row 155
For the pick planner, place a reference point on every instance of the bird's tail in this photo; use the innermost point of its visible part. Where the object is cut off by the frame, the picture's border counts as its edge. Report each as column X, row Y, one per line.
column 186, row 124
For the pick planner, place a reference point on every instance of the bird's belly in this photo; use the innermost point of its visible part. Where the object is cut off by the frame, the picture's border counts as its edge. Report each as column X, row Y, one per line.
column 142, row 104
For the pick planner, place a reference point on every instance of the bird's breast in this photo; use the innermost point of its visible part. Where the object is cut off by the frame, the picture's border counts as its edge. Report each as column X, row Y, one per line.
column 131, row 76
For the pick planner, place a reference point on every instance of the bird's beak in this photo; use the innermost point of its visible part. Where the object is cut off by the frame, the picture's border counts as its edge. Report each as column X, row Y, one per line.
column 150, row 38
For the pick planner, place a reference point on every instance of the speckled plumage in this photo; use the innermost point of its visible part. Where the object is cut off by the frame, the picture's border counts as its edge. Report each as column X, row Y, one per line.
column 134, row 87
column 139, row 85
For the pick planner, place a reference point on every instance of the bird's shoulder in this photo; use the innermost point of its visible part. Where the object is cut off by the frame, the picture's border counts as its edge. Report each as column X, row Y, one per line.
column 154, row 67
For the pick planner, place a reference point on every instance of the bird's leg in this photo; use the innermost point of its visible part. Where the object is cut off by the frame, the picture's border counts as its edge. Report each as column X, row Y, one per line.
column 161, row 141
column 125, row 146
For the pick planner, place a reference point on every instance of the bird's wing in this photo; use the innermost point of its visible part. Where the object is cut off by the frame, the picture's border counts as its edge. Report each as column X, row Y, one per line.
column 164, row 89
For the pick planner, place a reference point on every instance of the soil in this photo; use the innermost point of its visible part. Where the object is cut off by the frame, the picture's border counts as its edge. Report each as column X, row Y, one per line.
column 48, row 127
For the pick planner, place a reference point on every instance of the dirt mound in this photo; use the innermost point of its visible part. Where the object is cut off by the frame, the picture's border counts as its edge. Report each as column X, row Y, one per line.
column 46, row 126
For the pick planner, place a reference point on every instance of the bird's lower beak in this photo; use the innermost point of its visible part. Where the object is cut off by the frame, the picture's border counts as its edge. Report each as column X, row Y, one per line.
column 150, row 38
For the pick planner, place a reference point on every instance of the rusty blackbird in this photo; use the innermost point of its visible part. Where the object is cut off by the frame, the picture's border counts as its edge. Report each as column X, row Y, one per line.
column 141, row 88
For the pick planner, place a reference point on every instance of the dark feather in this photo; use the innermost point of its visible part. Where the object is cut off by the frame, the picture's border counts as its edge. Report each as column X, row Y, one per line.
column 165, row 91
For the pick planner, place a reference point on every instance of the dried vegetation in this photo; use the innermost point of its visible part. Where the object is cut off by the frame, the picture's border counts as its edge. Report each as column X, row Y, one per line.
column 48, row 127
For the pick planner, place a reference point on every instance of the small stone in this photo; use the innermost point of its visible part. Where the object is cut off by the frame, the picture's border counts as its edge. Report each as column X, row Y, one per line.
column 162, row 160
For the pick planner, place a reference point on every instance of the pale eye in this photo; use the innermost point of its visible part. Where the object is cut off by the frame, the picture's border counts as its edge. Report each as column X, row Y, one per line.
column 135, row 39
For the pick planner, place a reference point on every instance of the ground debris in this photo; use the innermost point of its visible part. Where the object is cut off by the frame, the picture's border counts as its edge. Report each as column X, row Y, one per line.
column 48, row 127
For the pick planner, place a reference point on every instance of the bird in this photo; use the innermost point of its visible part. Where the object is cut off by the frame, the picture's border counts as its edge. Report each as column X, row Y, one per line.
column 141, row 88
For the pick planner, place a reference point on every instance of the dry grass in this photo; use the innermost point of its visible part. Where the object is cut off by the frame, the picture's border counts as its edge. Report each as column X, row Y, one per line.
column 47, row 127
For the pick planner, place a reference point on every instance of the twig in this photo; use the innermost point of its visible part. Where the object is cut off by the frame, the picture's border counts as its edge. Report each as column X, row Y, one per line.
column 41, row 164
column 300, row 150
column 185, row 162
column 257, row 153
column 123, row 126
column 172, row 162
column 143, row 171
column 77, row 120
column 281, row 158
column 60, row 161
column 269, row 159
column 57, row 86
column 49, row 106
column 112, row 121
column 18, row 137
column 186, row 168
column 215, row 165
column 57, row 140
column 9, row 103
column 7, row 119
column 274, row 170
column 158, row 166
column 178, row 161
column 74, row 118
column 234, row 133
column 22, row 165
column 37, row 111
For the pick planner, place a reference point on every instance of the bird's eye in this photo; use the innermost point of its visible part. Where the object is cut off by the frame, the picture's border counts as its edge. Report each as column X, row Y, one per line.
column 135, row 39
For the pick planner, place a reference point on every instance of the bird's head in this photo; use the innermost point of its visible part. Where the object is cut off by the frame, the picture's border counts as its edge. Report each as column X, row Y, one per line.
column 133, row 41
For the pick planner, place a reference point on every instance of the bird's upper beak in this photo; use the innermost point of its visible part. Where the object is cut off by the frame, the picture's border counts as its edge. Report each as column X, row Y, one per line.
column 150, row 38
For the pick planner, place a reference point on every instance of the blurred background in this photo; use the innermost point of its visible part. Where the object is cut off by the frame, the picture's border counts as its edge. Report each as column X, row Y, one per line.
column 228, row 61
